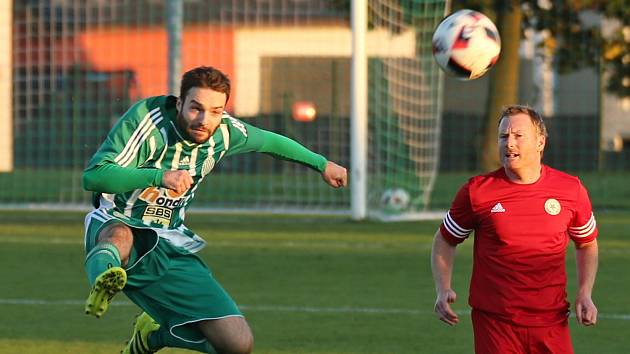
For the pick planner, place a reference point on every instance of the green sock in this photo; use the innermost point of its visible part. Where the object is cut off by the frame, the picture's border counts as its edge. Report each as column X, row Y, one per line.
column 163, row 338
column 102, row 257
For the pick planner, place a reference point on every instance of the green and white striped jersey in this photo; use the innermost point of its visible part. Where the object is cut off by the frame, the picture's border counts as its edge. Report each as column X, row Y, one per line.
column 146, row 142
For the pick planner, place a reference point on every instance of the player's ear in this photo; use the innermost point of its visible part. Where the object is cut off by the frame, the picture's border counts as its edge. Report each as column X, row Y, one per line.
column 542, row 141
column 178, row 105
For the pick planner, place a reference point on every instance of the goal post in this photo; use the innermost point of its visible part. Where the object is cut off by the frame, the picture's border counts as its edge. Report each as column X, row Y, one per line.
column 359, row 111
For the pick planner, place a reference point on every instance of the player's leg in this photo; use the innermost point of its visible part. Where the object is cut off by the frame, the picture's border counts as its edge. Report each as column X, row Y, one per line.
column 228, row 335
column 493, row 336
column 546, row 340
column 112, row 249
column 162, row 338
column 104, row 265
column 185, row 296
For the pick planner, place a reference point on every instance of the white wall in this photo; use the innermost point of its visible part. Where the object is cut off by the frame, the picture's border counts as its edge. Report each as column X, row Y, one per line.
column 252, row 44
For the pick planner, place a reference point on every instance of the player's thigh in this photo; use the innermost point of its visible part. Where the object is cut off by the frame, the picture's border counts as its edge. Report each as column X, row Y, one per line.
column 230, row 334
column 497, row 337
column 118, row 234
column 550, row 340
column 108, row 230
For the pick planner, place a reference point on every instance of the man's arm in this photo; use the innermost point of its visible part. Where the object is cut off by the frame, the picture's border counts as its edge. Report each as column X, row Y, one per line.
column 442, row 260
column 586, row 256
column 285, row 148
column 288, row 149
column 111, row 178
column 282, row 147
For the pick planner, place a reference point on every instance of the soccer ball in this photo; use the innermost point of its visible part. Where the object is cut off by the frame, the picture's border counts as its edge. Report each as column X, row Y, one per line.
column 466, row 44
column 395, row 199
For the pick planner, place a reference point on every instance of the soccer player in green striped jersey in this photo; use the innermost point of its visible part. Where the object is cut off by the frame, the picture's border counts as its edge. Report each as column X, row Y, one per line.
column 144, row 176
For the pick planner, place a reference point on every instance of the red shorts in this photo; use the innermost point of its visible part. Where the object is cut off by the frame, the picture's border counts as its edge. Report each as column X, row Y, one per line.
column 493, row 337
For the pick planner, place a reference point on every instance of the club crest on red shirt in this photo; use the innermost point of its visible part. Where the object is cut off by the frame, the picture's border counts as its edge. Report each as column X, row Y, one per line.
column 552, row 207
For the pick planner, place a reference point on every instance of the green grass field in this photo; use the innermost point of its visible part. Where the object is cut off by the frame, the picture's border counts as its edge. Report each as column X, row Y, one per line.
column 608, row 190
column 306, row 284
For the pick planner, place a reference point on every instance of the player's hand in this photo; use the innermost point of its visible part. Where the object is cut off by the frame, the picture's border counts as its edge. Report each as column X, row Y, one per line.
column 177, row 180
column 585, row 310
column 443, row 308
column 335, row 175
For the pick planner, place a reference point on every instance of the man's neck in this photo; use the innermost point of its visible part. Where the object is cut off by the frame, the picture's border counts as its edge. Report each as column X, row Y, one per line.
column 524, row 176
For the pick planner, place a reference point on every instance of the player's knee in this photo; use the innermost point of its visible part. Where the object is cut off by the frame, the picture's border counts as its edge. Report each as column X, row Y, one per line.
column 121, row 236
column 242, row 345
column 230, row 335
column 241, row 342
column 237, row 347
column 247, row 344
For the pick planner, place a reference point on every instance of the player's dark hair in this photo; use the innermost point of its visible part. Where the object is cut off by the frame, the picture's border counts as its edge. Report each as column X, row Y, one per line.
column 536, row 118
column 205, row 77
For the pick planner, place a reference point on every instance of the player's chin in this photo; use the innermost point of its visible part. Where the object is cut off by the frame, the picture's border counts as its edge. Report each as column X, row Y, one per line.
column 509, row 162
column 199, row 136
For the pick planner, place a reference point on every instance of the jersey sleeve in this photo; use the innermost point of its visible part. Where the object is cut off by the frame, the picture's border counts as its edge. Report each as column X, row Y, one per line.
column 111, row 178
column 117, row 166
column 459, row 220
column 583, row 227
column 248, row 138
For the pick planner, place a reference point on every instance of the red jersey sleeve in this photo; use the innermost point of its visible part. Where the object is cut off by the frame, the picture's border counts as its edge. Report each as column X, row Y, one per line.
column 459, row 220
column 583, row 227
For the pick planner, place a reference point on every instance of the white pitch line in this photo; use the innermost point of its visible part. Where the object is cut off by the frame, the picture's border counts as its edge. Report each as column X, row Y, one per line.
column 270, row 308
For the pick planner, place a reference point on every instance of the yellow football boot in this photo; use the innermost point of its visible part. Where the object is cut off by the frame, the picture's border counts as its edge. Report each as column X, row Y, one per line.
column 139, row 342
column 108, row 284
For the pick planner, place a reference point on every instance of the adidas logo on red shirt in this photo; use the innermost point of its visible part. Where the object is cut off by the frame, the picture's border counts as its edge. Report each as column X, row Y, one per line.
column 497, row 208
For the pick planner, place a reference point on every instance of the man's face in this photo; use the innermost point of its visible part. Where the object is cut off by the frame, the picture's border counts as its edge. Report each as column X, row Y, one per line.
column 199, row 116
column 520, row 145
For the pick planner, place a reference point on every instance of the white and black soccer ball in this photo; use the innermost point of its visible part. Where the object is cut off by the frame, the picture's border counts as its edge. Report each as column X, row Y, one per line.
column 395, row 199
column 466, row 44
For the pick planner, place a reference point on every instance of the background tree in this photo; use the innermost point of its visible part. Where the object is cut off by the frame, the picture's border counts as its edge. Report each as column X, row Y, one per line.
column 575, row 45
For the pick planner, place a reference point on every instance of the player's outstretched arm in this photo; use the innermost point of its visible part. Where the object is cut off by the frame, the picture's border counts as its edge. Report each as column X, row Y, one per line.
column 336, row 176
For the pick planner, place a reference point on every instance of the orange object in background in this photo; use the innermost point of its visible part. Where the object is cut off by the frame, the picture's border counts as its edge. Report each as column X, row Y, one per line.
column 144, row 51
column 304, row 111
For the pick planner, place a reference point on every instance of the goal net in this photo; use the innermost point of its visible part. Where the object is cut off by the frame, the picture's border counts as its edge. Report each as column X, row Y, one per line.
column 78, row 65
column 404, row 111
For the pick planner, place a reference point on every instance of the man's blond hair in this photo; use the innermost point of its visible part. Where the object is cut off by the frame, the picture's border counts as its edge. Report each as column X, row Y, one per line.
column 536, row 118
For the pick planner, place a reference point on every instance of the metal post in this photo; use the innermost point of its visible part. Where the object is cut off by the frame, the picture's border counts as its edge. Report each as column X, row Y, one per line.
column 174, row 23
column 358, row 117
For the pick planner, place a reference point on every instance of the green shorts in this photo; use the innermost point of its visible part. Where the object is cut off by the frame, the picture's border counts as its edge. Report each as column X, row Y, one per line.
column 169, row 282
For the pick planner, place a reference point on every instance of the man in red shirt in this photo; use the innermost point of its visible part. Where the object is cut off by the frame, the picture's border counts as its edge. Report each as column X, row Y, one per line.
column 523, row 215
